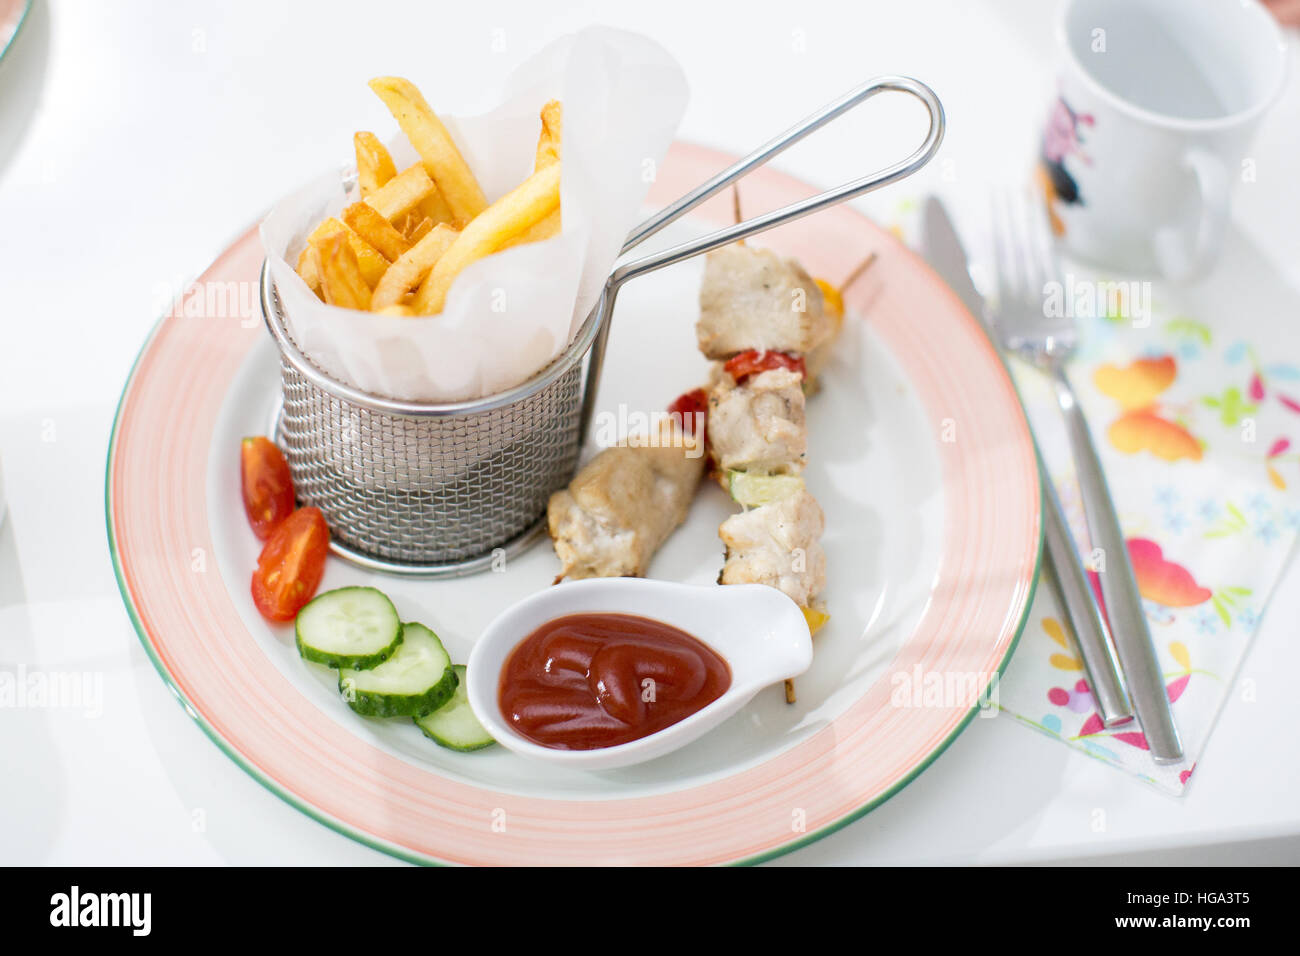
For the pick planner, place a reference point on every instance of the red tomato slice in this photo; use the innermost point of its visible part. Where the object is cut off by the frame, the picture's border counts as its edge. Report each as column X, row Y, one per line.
column 290, row 566
column 266, row 483
column 687, row 406
column 741, row 366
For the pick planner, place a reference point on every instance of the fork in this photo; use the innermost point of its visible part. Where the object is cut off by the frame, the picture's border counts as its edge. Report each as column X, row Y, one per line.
column 1026, row 269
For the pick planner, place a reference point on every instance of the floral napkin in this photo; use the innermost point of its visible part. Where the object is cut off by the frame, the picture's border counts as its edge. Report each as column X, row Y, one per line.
column 1195, row 411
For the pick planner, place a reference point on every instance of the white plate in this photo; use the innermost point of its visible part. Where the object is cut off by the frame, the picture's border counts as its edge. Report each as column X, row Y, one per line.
column 919, row 455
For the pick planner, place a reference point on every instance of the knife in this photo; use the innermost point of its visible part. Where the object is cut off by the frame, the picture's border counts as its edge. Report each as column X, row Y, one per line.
column 943, row 250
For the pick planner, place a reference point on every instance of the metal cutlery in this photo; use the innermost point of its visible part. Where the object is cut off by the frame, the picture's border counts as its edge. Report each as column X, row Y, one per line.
column 1026, row 268
column 943, row 250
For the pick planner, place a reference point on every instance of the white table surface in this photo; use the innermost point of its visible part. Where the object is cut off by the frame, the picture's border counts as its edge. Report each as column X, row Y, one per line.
column 137, row 138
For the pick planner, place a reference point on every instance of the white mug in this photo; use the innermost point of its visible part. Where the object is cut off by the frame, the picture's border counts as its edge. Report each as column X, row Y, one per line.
column 1158, row 102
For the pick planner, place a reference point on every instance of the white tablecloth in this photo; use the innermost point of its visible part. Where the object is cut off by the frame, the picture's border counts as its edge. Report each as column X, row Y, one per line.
column 137, row 138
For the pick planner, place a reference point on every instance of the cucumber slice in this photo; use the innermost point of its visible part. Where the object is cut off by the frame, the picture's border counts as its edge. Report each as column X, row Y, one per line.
column 418, row 678
column 348, row 627
column 453, row 725
column 753, row 491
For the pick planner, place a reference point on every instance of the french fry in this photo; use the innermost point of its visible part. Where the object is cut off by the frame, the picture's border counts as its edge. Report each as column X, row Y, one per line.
column 376, row 230
column 515, row 212
column 434, row 206
column 373, row 264
column 374, row 164
column 442, row 160
column 408, row 271
column 340, row 274
column 401, row 194
column 420, row 230
column 405, row 224
column 548, row 152
column 548, row 144
column 399, row 250
column 309, row 269
column 548, row 227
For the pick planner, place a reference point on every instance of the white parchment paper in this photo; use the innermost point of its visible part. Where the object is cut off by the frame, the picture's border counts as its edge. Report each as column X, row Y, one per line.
column 508, row 315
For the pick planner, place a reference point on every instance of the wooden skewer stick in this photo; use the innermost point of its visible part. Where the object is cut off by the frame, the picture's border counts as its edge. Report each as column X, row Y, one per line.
column 859, row 270
column 789, row 692
column 735, row 205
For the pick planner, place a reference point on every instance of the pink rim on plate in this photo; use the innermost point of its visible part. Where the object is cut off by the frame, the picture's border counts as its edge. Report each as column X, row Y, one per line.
column 157, row 515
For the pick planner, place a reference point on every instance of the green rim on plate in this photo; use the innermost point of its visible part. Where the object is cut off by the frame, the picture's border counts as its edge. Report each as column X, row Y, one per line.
column 18, row 28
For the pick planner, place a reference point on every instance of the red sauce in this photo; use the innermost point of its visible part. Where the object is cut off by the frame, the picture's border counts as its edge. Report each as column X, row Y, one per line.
column 587, row 681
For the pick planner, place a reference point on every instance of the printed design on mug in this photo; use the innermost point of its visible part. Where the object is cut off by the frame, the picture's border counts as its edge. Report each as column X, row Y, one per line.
column 1061, row 139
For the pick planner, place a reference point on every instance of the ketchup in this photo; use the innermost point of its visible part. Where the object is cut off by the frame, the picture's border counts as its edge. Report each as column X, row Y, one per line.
column 587, row 681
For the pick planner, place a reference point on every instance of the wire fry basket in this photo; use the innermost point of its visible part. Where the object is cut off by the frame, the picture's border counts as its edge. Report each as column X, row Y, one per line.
column 443, row 489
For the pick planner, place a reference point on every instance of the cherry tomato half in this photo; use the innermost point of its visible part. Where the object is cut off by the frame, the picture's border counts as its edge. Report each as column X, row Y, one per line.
column 687, row 406
column 741, row 366
column 266, row 483
column 290, row 566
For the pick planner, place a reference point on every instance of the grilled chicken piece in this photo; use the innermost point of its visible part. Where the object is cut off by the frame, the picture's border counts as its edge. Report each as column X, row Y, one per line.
column 816, row 361
column 752, row 298
column 759, row 425
column 623, row 504
column 777, row 545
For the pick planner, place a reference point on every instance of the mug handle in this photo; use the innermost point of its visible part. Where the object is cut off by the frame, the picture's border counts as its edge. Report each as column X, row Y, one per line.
column 1176, row 257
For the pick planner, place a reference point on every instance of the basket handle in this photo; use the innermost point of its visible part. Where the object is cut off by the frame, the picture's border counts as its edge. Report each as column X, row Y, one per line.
column 738, row 170
column 598, row 323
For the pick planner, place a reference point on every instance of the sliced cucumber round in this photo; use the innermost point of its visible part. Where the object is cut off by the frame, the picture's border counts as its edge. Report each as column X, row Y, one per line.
column 753, row 490
column 348, row 627
column 453, row 725
column 417, row 679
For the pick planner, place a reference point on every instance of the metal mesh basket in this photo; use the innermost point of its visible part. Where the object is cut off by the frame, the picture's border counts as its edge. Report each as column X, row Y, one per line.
column 442, row 489
column 424, row 488
column 431, row 491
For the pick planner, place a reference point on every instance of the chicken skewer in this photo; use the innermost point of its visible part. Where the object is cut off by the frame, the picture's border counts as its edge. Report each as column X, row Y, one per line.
column 622, row 505
column 760, row 315
column 772, row 329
